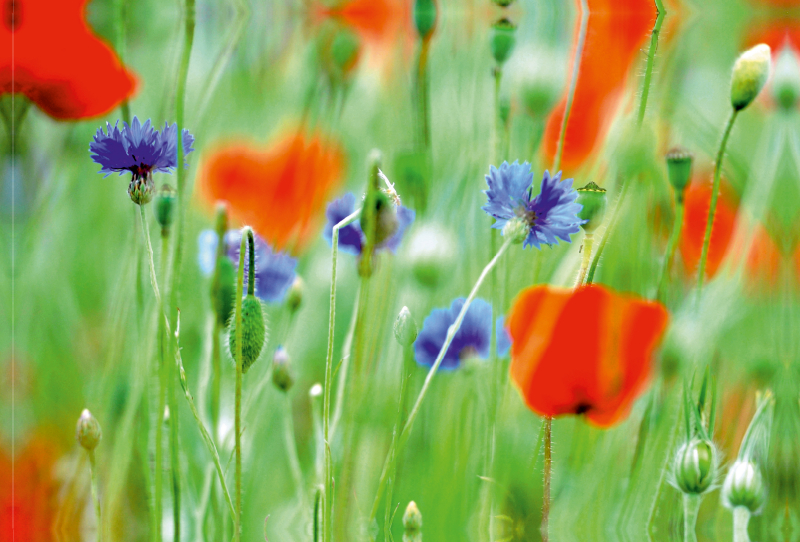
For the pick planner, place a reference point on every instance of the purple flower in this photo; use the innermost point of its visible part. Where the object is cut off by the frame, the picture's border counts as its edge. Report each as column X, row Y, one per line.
column 351, row 237
column 550, row 216
column 472, row 339
column 275, row 271
column 137, row 148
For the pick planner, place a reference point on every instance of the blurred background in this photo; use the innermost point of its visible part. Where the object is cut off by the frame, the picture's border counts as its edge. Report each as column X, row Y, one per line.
column 78, row 312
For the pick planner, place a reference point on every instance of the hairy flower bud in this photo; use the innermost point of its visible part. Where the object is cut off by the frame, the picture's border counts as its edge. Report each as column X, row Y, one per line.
column 405, row 329
column 502, row 40
column 88, row 431
column 425, row 13
column 165, row 207
column 744, row 486
column 695, row 466
column 786, row 81
column 593, row 198
column 412, row 518
column 282, row 376
column 254, row 332
column 141, row 190
column 750, row 73
column 679, row 170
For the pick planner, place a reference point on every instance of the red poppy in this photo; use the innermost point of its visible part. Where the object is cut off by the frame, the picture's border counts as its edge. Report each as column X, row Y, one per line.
column 58, row 62
column 585, row 351
column 616, row 33
column 281, row 189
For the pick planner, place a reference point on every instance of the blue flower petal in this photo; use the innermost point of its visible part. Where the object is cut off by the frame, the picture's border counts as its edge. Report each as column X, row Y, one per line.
column 275, row 271
column 206, row 251
column 508, row 190
column 474, row 334
column 405, row 217
column 350, row 236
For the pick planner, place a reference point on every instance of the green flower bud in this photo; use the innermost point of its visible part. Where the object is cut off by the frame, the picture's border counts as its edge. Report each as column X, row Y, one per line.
column 432, row 253
column 502, row 40
column 282, row 376
column 516, row 229
column 88, row 431
column 223, row 290
column 503, row 3
column 141, row 190
column 405, row 329
column 412, row 518
column 385, row 216
column 425, row 13
column 786, row 81
column 744, row 486
column 750, row 73
column 593, row 198
column 254, row 332
column 344, row 50
column 295, row 296
column 695, row 466
column 165, row 206
column 679, row 170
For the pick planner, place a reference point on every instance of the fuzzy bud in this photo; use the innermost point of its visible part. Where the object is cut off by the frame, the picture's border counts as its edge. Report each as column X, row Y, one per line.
column 425, row 13
column 750, row 73
column 254, row 332
column 432, row 253
column 165, row 206
column 786, row 81
column 744, row 486
column 679, row 170
column 88, row 431
column 412, row 518
column 516, row 229
column 282, row 376
column 405, row 329
column 295, row 296
column 141, row 190
column 223, row 290
column 593, row 198
column 502, row 40
column 695, row 466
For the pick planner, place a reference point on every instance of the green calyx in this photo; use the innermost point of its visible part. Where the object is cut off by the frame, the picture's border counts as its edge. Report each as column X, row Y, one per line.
column 141, row 190
column 502, row 40
column 254, row 332
column 223, row 290
column 695, row 466
column 679, row 169
column 593, row 199
column 425, row 13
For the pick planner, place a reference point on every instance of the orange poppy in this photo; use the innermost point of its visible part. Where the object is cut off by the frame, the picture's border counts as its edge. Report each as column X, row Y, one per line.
column 616, row 33
column 58, row 62
column 585, row 351
column 280, row 189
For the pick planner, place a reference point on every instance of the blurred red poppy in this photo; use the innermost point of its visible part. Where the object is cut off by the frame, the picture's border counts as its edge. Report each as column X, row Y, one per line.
column 280, row 189
column 58, row 62
column 616, row 32
column 585, row 351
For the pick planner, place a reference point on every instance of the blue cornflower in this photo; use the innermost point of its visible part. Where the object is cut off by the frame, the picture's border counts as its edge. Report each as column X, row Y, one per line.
column 351, row 237
column 275, row 271
column 138, row 148
column 550, row 216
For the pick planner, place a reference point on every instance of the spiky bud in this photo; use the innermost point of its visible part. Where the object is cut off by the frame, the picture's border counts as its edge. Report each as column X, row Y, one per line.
column 295, row 296
column 516, row 229
column 593, row 198
column 405, row 329
column 254, row 332
column 141, row 189
column 165, row 206
column 223, row 290
column 695, row 466
column 750, row 74
column 502, row 40
column 412, row 518
column 88, row 431
column 679, row 170
column 786, row 81
column 744, row 486
column 282, row 376
column 425, row 13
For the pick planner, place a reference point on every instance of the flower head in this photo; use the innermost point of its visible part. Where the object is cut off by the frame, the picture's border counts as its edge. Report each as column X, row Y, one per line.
column 550, row 216
column 351, row 237
column 471, row 339
column 585, row 351
column 138, row 148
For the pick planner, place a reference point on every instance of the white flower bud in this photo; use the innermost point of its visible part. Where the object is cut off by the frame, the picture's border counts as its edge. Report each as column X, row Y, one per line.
column 750, row 73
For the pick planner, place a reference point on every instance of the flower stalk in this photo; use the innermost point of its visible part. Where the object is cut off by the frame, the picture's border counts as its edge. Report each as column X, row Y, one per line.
column 691, row 507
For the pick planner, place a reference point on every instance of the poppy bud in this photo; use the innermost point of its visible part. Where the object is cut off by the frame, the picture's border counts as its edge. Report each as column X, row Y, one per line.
column 223, row 290
column 412, row 518
column 502, row 40
column 141, row 190
column 425, row 13
column 432, row 253
column 593, row 198
column 281, row 370
column 405, row 329
column 254, row 332
column 516, row 229
column 679, row 170
column 165, row 207
column 786, row 81
column 295, row 296
column 744, row 486
column 88, row 431
column 695, row 466
column 750, row 73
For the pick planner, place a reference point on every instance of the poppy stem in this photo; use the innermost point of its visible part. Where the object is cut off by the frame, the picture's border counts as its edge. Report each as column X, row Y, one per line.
column 588, row 241
column 691, row 506
column 714, row 197
column 398, row 444
column 237, row 529
column 651, row 55
column 573, row 83
column 741, row 517
column 612, row 222
column 677, row 226
column 548, row 467
column 346, row 349
column 328, row 483
column 95, row 494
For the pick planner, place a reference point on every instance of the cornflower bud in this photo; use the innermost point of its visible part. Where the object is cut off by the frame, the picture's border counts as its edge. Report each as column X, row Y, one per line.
column 405, row 329
column 593, row 199
column 502, row 40
column 679, row 170
column 141, row 189
column 516, row 229
column 282, row 376
column 750, row 73
column 425, row 13
column 786, row 81
column 295, row 296
column 412, row 518
column 165, row 207
column 695, row 466
column 254, row 332
column 744, row 486
column 88, row 431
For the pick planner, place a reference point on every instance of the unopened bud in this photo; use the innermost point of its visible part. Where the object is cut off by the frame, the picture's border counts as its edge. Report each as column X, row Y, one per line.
column 425, row 13
column 254, row 332
column 165, row 206
column 516, row 229
column 412, row 518
column 223, row 290
column 503, row 3
column 281, row 370
column 295, row 296
column 744, row 486
column 750, row 73
column 786, row 81
column 88, row 431
column 695, row 466
column 502, row 40
column 405, row 329
column 141, row 190
column 432, row 253
column 679, row 170
column 593, row 198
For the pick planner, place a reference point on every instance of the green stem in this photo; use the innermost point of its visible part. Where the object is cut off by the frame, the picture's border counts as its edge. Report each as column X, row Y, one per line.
column 498, row 150
column 328, row 482
column 399, row 444
column 95, row 494
column 741, row 517
column 677, row 226
column 246, row 235
column 651, row 55
column 691, row 506
column 291, row 450
column 714, row 196
column 343, row 370
column 573, row 83
column 612, row 222
column 588, row 241
column 172, row 401
column 548, row 469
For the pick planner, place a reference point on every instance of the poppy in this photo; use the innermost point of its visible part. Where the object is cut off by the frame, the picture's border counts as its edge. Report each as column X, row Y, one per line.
column 279, row 189
column 616, row 32
column 585, row 351
column 58, row 62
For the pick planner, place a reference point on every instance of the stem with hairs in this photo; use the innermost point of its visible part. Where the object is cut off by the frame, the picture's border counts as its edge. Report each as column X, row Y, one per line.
column 741, row 517
column 648, row 71
column 691, row 506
